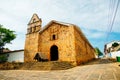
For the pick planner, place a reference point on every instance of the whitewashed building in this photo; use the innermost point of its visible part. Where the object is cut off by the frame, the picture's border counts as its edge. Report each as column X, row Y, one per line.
column 109, row 51
column 14, row 56
column 113, row 54
column 107, row 47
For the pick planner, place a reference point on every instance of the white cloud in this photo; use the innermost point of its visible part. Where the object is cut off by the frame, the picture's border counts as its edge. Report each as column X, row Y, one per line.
column 88, row 14
column 93, row 34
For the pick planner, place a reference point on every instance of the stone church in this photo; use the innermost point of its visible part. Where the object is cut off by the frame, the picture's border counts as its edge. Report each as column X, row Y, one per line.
column 57, row 41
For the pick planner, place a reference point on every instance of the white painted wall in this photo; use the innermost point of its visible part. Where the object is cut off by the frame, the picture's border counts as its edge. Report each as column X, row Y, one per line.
column 110, row 44
column 114, row 54
column 16, row 56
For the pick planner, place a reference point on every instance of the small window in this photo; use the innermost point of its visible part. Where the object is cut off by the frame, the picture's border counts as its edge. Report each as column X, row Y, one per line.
column 34, row 20
column 35, row 28
column 30, row 30
column 53, row 37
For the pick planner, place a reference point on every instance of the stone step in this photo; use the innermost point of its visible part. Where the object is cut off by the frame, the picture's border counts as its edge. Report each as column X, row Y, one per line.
column 53, row 65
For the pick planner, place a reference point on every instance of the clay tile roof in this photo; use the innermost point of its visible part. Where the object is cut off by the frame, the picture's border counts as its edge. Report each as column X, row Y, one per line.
column 62, row 23
column 53, row 21
column 14, row 51
column 5, row 50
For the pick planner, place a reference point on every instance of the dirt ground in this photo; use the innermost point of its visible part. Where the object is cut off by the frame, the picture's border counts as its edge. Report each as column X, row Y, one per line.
column 48, row 65
column 102, row 69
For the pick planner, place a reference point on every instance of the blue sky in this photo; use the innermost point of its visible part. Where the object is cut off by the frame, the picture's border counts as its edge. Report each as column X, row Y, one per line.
column 92, row 16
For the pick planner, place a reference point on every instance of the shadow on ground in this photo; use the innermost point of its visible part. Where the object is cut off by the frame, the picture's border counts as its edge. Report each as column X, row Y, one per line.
column 101, row 61
column 53, row 65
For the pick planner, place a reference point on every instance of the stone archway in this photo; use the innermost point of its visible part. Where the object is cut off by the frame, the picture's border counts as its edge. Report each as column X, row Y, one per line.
column 54, row 53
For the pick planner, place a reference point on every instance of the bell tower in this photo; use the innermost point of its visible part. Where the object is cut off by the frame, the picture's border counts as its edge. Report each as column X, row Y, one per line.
column 32, row 37
column 34, row 24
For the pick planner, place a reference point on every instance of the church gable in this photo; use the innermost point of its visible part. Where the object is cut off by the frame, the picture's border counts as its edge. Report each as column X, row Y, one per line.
column 34, row 19
column 55, row 25
column 55, row 31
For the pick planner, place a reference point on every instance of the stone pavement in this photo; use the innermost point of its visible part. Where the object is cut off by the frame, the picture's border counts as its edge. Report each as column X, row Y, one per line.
column 105, row 71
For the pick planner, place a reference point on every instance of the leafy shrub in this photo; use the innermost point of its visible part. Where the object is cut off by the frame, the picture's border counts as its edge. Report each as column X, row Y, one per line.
column 115, row 44
column 3, row 58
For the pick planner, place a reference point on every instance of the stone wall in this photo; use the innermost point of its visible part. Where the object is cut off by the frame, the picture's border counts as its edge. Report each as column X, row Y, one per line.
column 72, row 45
column 32, row 36
column 84, row 51
column 64, row 41
column 31, row 46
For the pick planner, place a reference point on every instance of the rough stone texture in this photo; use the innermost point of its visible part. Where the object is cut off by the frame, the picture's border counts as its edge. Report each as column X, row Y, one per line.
column 84, row 51
column 64, row 42
column 32, row 36
column 70, row 41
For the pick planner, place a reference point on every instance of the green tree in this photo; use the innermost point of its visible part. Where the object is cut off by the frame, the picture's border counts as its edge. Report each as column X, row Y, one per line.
column 3, row 58
column 98, row 52
column 6, row 36
column 115, row 44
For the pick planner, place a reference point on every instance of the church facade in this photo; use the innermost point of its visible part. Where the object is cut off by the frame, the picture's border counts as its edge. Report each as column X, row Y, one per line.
column 57, row 41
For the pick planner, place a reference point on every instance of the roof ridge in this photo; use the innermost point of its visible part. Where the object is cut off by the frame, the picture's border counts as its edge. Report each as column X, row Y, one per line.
column 62, row 22
column 54, row 21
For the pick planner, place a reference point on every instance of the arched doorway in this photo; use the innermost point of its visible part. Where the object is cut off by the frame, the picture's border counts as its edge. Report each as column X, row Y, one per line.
column 54, row 53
